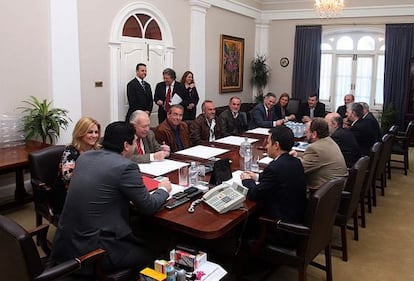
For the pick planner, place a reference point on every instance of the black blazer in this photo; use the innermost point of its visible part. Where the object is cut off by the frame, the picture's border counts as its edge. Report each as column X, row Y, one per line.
column 281, row 189
column 160, row 92
column 259, row 118
column 348, row 145
column 138, row 98
column 341, row 111
column 278, row 112
column 318, row 112
column 365, row 135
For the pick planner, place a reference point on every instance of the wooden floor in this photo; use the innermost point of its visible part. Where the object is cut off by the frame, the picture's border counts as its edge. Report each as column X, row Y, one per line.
column 384, row 252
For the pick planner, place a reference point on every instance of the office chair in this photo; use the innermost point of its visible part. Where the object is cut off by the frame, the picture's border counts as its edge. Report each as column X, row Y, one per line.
column 349, row 203
column 44, row 165
column 314, row 234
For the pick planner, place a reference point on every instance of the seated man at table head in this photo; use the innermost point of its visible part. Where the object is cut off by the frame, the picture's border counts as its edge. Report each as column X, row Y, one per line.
column 205, row 128
column 264, row 115
column 232, row 120
column 281, row 108
column 312, row 108
column 365, row 132
column 173, row 131
column 147, row 148
column 322, row 159
column 96, row 211
column 343, row 138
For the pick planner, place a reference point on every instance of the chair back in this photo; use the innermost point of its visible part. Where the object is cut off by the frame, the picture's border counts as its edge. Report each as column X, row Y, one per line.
column 293, row 106
column 19, row 258
column 353, row 186
column 385, row 154
column 393, row 130
column 372, row 165
column 320, row 217
column 408, row 132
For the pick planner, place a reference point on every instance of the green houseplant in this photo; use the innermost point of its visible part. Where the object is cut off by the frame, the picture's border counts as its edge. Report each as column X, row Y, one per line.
column 260, row 75
column 40, row 119
column 388, row 117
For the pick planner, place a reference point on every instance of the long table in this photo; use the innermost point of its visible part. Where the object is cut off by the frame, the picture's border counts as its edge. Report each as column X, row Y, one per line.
column 16, row 159
column 205, row 223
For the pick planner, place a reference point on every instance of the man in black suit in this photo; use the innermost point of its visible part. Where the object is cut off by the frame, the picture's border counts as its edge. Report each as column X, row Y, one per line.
column 349, row 98
column 313, row 108
column 281, row 186
column 343, row 138
column 139, row 92
column 365, row 134
column 369, row 116
column 264, row 114
column 232, row 120
column 165, row 92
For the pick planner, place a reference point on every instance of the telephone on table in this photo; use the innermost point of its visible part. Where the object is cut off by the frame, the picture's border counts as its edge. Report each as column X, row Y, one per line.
column 224, row 198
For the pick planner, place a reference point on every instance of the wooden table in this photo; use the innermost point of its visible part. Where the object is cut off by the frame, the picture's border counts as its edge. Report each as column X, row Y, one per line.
column 206, row 223
column 16, row 159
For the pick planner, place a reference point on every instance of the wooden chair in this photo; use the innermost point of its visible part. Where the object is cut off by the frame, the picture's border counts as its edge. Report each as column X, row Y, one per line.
column 366, row 191
column 44, row 165
column 400, row 147
column 381, row 173
column 20, row 259
column 392, row 131
column 349, row 203
column 314, row 234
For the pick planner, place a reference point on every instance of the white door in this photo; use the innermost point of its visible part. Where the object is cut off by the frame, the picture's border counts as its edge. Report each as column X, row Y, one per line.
column 147, row 52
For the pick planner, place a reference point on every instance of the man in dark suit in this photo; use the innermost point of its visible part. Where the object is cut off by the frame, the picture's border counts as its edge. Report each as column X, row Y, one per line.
column 264, row 115
column 369, row 116
column 349, row 98
column 165, row 92
column 343, row 138
column 232, row 120
column 313, row 108
column 363, row 130
column 139, row 92
column 96, row 211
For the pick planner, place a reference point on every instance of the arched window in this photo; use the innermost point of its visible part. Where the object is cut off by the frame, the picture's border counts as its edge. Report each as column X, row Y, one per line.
column 352, row 62
column 142, row 26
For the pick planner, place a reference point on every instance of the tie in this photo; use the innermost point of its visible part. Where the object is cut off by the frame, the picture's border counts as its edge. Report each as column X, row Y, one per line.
column 143, row 84
column 168, row 99
column 139, row 148
column 267, row 114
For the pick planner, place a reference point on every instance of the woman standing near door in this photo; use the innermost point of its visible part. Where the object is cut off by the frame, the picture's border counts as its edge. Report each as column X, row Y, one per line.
column 188, row 81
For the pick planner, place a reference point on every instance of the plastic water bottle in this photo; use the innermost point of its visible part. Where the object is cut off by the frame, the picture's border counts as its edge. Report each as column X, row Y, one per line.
column 243, row 146
column 247, row 163
column 193, row 174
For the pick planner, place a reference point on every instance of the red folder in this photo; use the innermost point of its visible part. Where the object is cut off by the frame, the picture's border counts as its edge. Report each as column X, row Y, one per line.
column 150, row 183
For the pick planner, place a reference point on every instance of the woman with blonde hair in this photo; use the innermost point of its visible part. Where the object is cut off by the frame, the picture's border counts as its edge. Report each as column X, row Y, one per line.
column 85, row 136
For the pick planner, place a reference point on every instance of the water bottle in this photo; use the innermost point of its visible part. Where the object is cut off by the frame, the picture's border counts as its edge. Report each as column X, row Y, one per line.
column 243, row 146
column 247, row 161
column 193, row 174
column 171, row 273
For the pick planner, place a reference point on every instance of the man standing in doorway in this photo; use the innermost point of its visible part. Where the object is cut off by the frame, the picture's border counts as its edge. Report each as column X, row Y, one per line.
column 139, row 92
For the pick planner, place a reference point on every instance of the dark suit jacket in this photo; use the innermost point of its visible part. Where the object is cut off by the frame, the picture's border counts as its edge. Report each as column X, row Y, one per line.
column 164, row 133
column 138, row 98
column 160, row 93
column 96, row 211
column 231, row 126
column 278, row 112
column 190, row 114
column 259, row 118
column 365, row 135
column 318, row 112
column 370, row 117
column 281, row 189
column 200, row 130
column 348, row 145
column 342, row 111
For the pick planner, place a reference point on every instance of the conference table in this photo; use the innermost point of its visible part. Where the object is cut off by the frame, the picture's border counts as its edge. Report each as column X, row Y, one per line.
column 205, row 222
column 16, row 159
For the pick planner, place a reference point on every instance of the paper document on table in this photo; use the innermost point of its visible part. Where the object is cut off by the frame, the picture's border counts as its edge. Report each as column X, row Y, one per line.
column 211, row 271
column 260, row 131
column 202, row 151
column 176, row 99
column 158, row 168
column 266, row 160
column 235, row 140
column 300, row 146
column 235, row 178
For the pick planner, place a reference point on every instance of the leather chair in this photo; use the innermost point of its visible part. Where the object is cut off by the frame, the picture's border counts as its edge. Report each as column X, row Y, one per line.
column 400, row 147
column 391, row 131
column 20, row 259
column 349, row 203
column 314, row 234
column 381, row 173
column 293, row 106
column 44, row 166
column 366, row 191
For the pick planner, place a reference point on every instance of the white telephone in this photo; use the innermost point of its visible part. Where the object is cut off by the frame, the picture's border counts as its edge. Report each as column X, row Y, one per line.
column 224, row 197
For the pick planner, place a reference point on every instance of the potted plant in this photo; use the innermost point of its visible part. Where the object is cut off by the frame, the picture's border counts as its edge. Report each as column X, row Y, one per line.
column 260, row 75
column 40, row 119
column 388, row 117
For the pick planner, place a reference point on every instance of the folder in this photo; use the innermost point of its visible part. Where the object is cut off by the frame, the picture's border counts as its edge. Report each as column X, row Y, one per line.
column 150, row 183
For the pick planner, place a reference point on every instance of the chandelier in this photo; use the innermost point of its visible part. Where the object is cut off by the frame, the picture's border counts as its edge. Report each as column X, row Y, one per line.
column 329, row 8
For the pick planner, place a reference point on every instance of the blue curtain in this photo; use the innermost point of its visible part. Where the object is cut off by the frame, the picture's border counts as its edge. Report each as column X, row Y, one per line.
column 399, row 49
column 307, row 61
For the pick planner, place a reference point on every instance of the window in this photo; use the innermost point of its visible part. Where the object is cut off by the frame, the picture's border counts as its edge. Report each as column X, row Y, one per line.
column 352, row 62
column 142, row 26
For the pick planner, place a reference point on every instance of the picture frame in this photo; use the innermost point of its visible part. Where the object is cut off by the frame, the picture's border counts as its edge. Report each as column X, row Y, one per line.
column 231, row 64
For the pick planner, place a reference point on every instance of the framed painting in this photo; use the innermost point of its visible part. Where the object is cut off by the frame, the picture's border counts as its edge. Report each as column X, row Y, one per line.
column 231, row 64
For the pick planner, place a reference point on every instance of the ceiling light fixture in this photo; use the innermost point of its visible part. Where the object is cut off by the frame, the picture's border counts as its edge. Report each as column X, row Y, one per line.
column 329, row 8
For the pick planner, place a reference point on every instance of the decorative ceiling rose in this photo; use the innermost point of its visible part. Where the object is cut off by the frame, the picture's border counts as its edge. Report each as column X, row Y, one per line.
column 329, row 8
